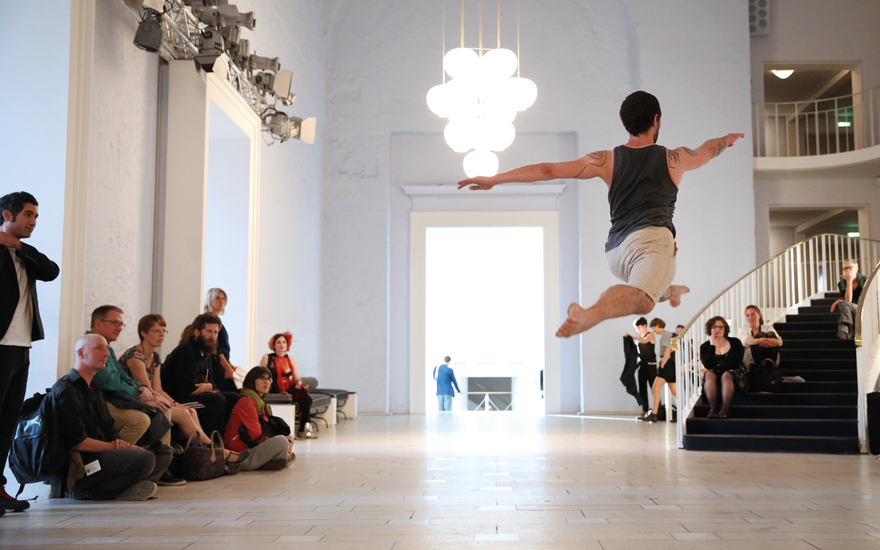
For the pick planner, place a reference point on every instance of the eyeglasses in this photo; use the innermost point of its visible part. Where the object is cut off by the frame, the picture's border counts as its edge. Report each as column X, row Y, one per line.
column 267, row 379
column 159, row 331
column 117, row 324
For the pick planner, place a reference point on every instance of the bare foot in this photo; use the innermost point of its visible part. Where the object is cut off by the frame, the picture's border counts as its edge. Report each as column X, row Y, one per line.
column 574, row 324
column 675, row 292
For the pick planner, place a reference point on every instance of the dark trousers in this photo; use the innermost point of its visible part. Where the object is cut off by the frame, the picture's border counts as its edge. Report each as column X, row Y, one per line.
column 120, row 469
column 218, row 407
column 647, row 374
column 14, row 362
column 303, row 405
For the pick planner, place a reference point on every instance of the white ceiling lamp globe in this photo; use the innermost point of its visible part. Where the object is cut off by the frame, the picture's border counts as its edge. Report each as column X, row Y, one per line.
column 461, row 100
column 498, row 64
column 460, row 62
column 500, row 136
column 459, row 135
column 438, row 100
column 480, row 163
column 523, row 92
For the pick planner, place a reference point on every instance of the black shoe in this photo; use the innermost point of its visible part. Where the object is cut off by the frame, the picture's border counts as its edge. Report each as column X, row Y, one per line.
column 722, row 415
column 650, row 417
column 168, row 480
column 9, row 504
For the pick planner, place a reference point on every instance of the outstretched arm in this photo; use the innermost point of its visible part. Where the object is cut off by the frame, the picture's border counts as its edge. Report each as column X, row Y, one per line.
column 595, row 164
column 682, row 159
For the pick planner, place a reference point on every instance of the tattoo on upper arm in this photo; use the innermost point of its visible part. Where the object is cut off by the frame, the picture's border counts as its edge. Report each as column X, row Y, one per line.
column 599, row 156
column 691, row 152
column 722, row 145
column 673, row 155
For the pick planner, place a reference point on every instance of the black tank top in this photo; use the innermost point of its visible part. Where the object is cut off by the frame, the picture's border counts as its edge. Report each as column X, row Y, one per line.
column 641, row 194
column 647, row 353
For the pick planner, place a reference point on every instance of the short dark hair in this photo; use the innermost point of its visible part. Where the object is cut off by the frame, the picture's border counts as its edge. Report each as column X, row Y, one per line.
column 658, row 322
column 205, row 319
column 250, row 379
column 640, row 322
column 637, row 112
column 711, row 323
column 102, row 311
column 447, row 359
column 14, row 202
column 147, row 321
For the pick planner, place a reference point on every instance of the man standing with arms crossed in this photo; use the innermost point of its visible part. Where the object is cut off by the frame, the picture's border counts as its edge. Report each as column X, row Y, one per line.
column 642, row 180
column 21, row 266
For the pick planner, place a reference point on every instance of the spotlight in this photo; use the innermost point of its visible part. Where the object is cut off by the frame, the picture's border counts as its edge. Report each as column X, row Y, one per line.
column 210, row 49
column 238, row 51
column 277, row 84
column 225, row 16
column 288, row 100
column 149, row 33
column 257, row 63
column 284, row 127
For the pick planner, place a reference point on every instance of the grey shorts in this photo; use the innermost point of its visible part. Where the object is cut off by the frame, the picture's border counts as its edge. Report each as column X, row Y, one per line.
column 645, row 260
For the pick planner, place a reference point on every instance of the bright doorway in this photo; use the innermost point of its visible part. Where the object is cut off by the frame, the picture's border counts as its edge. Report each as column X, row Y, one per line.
column 485, row 291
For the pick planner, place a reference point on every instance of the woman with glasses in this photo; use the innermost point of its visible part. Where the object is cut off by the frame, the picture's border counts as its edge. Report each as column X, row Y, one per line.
column 143, row 364
column 224, row 372
column 283, row 369
column 250, row 427
column 723, row 368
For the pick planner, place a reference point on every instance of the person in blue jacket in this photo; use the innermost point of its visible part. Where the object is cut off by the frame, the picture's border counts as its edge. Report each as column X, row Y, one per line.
column 445, row 377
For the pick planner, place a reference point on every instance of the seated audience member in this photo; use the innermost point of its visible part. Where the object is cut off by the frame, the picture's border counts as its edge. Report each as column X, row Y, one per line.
column 286, row 375
column 723, row 368
column 647, row 361
column 142, row 363
column 850, row 285
column 224, row 373
column 249, row 429
column 187, row 377
column 665, row 367
column 131, row 403
column 126, row 472
column 761, row 341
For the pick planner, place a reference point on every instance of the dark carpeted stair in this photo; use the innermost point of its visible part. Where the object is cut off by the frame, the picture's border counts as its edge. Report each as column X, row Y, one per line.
column 816, row 416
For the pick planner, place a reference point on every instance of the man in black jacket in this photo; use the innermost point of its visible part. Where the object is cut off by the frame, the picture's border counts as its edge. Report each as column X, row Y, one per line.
column 21, row 266
column 187, row 374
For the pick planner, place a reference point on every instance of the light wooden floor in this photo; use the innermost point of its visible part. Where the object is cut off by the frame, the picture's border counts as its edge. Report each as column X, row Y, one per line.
column 491, row 481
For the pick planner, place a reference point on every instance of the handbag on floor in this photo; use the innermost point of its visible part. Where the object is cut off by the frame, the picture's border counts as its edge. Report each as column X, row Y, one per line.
column 202, row 462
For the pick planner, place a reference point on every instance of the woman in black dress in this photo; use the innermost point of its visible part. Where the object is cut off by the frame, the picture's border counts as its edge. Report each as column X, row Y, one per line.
column 722, row 359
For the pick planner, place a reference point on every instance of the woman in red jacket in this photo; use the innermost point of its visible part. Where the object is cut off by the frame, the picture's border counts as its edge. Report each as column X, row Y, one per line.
column 283, row 369
column 247, row 426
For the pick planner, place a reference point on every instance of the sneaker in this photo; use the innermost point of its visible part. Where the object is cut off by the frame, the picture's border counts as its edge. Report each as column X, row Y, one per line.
column 142, row 490
column 168, row 480
column 9, row 504
column 650, row 417
column 643, row 415
column 305, row 435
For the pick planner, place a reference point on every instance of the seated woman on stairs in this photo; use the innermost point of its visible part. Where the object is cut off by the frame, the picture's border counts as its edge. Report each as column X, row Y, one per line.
column 723, row 368
column 761, row 341
column 850, row 285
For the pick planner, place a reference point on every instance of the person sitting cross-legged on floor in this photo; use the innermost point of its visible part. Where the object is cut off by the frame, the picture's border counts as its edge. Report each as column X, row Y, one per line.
column 250, row 428
column 106, row 467
column 723, row 368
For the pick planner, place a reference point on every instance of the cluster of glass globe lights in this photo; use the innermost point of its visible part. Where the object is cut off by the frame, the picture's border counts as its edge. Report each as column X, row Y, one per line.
column 481, row 101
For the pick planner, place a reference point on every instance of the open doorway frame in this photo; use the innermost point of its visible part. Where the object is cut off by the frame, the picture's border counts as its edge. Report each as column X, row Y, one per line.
column 419, row 223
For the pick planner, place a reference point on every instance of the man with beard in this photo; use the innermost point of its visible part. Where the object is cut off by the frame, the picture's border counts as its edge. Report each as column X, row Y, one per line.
column 186, row 374
column 642, row 180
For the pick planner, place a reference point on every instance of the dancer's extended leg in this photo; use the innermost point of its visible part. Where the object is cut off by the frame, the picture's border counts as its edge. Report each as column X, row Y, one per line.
column 673, row 294
column 617, row 301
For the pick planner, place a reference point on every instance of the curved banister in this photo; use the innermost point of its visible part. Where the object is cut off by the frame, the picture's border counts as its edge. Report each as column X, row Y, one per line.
column 776, row 286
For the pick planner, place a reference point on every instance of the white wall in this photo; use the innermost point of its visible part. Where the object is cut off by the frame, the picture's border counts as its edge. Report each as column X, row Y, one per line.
column 780, row 238
column 819, row 31
column 122, row 172
column 585, row 57
column 289, row 285
column 820, row 191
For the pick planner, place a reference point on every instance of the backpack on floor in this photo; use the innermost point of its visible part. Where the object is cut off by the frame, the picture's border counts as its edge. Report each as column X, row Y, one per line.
column 765, row 376
column 38, row 452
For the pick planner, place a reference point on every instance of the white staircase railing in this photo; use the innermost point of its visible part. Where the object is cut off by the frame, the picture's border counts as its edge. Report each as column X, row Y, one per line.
column 817, row 127
column 867, row 336
column 806, row 269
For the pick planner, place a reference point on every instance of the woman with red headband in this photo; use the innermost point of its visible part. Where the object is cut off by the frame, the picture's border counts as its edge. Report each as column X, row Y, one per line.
column 286, row 379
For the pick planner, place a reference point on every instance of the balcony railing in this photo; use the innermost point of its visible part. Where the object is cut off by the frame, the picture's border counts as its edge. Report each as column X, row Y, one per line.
column 785, row 281
column 817, row 127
